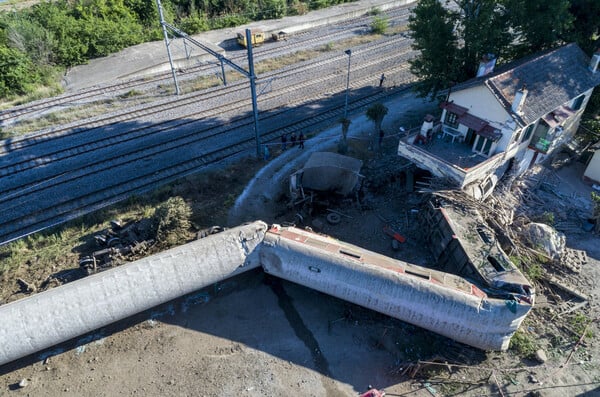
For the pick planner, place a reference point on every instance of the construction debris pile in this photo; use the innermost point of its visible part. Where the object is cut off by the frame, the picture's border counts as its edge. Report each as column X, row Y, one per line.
column 528, row 217
column 118, row 244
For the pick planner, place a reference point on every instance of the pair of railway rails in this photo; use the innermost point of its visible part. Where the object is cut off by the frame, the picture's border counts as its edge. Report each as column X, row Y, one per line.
column 59, row 174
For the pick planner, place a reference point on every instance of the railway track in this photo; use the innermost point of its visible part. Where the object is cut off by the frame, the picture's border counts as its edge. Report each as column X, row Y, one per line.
column 79, row 128
column 301, row 40
column 43, row 186
column 49, row 213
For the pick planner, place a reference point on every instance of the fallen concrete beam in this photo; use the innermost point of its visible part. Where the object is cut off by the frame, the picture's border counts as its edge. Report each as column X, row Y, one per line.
column 57, row 315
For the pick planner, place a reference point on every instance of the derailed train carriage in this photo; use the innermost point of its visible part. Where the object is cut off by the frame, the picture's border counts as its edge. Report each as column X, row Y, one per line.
column 441, row 302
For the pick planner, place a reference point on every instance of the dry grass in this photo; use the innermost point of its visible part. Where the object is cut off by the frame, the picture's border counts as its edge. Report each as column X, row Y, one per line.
column 210, row 194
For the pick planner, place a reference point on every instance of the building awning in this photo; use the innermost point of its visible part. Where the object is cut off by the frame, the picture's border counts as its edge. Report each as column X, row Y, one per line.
column 490, row 132
column 473, row 122
column 454, row 108
column 557, row 116
column 480, row 126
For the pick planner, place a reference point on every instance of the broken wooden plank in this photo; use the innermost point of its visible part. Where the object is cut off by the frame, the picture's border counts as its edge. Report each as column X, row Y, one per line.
column 339, row 213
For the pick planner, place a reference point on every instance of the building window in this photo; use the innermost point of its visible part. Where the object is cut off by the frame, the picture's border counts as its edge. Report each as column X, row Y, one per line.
column 578, row 102
column 451, row 119
column 527, row 133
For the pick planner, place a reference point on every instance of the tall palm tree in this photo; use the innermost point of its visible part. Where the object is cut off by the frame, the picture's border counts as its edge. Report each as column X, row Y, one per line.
column 376, row 113
column 343, row 145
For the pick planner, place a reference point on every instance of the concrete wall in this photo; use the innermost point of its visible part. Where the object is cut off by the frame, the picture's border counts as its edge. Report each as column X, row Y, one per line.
column 482, row 170
column 330, row 16
column 427, row 161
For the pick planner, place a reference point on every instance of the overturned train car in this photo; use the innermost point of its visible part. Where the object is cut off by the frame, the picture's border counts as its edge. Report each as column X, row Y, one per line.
column 441, row 302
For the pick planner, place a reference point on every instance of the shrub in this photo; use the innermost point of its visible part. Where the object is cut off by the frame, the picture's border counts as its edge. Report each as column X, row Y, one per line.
column 171, row 220
column 523, row 344
column 379, row 25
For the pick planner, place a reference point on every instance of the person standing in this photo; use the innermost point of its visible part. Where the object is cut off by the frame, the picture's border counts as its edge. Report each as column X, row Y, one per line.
column 283, row 142
column 381, row 79
column 301, row 141
column 293, row 139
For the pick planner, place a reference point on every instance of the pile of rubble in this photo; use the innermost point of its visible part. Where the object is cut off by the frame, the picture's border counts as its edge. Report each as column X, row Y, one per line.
column 517, row 212
column 118, row 244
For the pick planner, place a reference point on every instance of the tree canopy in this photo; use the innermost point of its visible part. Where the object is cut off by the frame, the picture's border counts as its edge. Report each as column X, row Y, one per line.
column 63, row 33
column 453, row 36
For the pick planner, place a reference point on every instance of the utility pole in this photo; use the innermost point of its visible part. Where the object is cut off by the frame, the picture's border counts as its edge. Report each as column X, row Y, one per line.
column 167, row 44
column 349, row 53
column 249, row 74
column 252, row 78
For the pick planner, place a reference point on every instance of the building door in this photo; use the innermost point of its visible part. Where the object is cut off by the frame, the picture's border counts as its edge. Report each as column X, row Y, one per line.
column 470, row 137
column 482, row 145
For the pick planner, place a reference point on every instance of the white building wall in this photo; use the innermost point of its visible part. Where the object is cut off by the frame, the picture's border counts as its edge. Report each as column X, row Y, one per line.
column 481, row 103
column 592, row 171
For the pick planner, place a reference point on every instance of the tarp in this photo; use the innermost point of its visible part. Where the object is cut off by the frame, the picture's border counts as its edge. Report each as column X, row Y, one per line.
column 331, row 172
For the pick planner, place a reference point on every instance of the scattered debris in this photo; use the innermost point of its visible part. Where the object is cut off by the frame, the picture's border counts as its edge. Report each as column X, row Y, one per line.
column 394, row 234
column 540, row 355
column 26, row 287
column 333, row 218
column 211, row 230
column 122, row 243
column 339, row 213
column 372, row 392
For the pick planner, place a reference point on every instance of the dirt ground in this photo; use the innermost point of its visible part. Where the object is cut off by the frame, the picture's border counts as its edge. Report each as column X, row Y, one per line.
column 254, row 335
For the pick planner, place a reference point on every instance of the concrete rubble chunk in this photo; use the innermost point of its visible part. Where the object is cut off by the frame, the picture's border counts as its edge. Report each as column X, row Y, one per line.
column 540, row 355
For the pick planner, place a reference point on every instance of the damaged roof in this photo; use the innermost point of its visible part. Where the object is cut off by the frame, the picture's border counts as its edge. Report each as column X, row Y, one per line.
column 552, row 79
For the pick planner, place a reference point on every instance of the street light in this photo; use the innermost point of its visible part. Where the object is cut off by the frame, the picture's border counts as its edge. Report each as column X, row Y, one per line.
column 349, row 53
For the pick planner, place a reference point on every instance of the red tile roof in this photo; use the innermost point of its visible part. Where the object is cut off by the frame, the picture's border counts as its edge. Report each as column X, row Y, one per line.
column 454, row 108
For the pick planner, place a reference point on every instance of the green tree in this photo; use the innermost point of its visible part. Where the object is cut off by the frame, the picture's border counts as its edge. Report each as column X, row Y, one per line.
column 432, row 27
column 195, row 23
column 171, row 220
column 68, row 48
column 271, row 9
column 17, row 72
column 379, row 25
column 146, row 11
column 482, row 26
column 539, row 24
column 596, row 211
column 28, row 36
column 453, row 41
column 376, row 113
column 586, row 29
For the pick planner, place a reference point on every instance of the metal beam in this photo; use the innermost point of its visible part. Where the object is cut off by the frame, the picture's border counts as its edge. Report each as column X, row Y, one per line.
column 212, row 52
column 167, row 44
column 249, row 74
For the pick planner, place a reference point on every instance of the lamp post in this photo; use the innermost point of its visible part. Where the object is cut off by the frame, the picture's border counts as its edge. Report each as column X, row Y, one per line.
column 349, row 53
